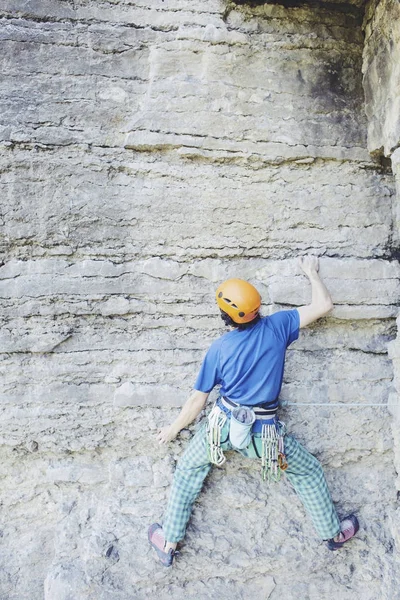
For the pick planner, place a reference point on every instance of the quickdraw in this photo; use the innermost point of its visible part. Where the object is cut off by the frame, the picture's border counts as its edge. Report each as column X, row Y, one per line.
column 272, row 452
column 215, row 422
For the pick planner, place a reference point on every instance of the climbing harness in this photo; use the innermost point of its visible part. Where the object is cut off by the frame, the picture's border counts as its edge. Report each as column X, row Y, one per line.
column 251, row 420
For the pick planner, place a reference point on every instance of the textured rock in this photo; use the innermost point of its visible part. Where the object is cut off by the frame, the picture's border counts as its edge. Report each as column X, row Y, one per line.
column 381, row 68
column 394, row 354
column 149, row 150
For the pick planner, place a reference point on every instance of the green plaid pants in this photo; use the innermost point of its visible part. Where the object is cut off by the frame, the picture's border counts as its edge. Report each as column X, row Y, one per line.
column 304, row 472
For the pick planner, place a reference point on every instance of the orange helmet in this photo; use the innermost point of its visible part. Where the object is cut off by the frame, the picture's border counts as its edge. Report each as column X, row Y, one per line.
column 239, row 299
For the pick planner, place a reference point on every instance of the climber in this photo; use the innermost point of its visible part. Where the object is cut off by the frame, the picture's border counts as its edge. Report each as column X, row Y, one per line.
column 248, row 362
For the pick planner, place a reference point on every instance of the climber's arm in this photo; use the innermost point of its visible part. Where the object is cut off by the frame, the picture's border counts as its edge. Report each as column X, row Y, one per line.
column 190, row 411
column 321, row 301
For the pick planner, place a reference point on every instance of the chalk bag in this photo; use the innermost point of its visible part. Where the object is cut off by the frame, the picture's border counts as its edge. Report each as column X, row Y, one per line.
column 242, row 419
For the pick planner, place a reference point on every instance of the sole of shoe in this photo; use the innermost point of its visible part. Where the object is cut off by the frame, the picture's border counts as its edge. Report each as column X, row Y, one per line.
column 165, row 558
column 332, row 545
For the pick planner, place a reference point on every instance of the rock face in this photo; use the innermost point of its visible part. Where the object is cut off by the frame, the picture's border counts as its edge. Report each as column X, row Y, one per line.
column 148, row 151
column 382, row 75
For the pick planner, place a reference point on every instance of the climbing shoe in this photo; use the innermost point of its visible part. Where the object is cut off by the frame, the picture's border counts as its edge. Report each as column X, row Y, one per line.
column 349, row 527
column 157, row 540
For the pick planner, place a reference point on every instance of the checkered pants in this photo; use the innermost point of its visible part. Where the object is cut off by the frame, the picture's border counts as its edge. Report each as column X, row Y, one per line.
column 304, row 472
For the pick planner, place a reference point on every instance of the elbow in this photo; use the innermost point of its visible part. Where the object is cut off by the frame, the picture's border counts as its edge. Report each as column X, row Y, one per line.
column 327, row 307
column 323, row 308
column 199, row 399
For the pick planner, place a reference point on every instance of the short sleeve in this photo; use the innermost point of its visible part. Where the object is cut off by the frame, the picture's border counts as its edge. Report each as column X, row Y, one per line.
column 286, row 324
column 209, row 374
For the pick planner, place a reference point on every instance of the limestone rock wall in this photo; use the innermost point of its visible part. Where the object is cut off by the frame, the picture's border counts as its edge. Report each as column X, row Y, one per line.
column 394, row 354
column 382, row 98
column 382, row 75
column 148, row 151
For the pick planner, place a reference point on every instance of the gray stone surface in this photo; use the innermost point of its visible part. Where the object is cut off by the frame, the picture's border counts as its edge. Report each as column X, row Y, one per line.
column 381, row 68
column 394, row 354
column 149, row 150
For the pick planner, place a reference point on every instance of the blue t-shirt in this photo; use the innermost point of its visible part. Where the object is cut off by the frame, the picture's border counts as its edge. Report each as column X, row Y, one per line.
column 249, row 363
